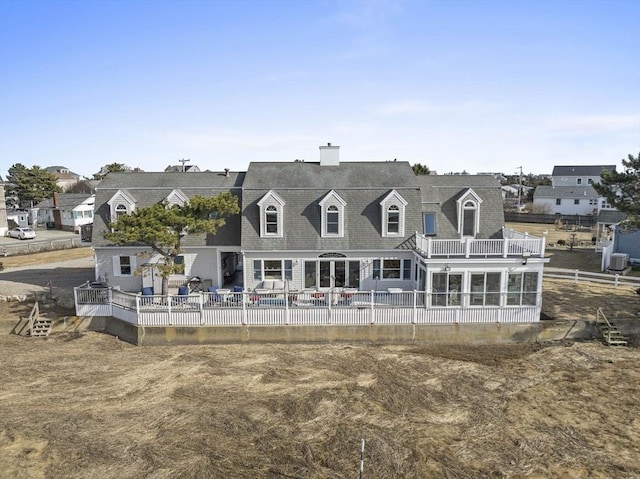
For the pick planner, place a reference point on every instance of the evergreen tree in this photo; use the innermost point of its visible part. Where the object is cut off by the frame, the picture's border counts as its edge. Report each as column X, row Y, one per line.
column 622, row 190
column 161, row 227
column 30, row 185
column 111, row 168
column 420, row 169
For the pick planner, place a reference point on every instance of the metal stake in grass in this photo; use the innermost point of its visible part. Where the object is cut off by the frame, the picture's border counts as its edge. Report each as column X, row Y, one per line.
column 361, row 457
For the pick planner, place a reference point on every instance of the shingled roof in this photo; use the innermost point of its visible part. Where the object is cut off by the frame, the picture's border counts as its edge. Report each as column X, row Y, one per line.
column 150, row 188
column 302, row 185
column 439, row 194
column 581, row 170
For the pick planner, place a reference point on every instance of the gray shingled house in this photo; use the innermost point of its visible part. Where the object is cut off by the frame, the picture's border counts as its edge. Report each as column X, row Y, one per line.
column 330, row 241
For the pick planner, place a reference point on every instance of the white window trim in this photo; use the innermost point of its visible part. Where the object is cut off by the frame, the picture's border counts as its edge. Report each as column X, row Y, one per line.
column 392, row 199
column 468, row 196
column 332, row 199
column 271, row 199
column 177, row 198
column 116, row 265
column 121, row 198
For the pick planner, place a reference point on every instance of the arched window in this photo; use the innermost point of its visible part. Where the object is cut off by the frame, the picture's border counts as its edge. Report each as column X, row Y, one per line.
column 333, row 220
column 121, row 210
column 271, row 220
column 469, row 212
column 393, row 219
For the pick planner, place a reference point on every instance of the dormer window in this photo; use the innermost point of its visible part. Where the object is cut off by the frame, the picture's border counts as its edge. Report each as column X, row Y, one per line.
column 271, row 215
column 121, row 210
column 332, row 215
column 176, row 198
column 121, row 203
column 333, row 220
column 393, row 207
column 271, row 220
column 393, row 219
column 469, row 213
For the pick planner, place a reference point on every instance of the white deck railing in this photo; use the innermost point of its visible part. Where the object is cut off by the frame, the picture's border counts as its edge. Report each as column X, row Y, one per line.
column 294, row 308
column 513, row 245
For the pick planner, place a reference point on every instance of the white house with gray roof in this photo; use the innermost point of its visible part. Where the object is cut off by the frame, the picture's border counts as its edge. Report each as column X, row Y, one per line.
column 571, row 191
column 332, row 241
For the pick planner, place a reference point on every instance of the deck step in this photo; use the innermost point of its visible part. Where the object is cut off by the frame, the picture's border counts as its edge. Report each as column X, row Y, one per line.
column 41, row 327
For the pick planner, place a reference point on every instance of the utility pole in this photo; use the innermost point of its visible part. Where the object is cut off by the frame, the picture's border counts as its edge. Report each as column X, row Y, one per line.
column 520, row 189
column 183, row 161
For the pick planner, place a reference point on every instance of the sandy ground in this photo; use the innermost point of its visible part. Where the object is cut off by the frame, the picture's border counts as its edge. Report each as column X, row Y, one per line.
column 89, row 406
column 85, row 405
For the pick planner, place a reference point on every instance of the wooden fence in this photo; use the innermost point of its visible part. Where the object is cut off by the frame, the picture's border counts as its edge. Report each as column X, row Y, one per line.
column 31, row 246
column 577, row 276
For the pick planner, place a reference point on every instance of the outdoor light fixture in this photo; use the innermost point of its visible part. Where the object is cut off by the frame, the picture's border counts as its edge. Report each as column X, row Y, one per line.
column 447, row 268
column 525, row 256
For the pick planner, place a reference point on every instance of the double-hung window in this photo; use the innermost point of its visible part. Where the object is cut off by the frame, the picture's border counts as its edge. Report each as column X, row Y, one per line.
column 271, row 220
column 281, row 269
column 332, row 208
column 392, row 269
column 333, row 220
column 124, row 265
column 271, row 215
column 393, row 219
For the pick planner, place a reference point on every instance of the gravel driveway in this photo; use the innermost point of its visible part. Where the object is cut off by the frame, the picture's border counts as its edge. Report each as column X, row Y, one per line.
column 58, row 278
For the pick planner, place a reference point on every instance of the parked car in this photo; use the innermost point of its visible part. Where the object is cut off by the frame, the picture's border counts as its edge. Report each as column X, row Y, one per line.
column 22, row 233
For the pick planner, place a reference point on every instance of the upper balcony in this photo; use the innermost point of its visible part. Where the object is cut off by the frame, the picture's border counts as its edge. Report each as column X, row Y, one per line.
column 512, row 244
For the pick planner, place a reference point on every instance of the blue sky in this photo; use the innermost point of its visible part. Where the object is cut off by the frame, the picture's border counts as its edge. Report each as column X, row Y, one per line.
column 455, row 85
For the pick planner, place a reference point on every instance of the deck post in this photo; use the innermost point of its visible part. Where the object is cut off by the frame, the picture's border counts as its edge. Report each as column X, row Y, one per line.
column 373, row 309
column 286, row 308
column 415, row 307
column 201, row 307
column 244, row 307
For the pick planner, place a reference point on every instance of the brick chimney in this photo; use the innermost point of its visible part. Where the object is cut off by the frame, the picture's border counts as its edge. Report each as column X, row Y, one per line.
column 329, row 155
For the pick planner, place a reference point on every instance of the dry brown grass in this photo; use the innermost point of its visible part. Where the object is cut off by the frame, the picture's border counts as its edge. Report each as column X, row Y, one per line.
column 46, row 257
column 87, row 405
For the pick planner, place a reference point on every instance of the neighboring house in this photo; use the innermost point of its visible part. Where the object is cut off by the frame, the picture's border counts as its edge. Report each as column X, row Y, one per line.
column 67, row 211
column 64, row 177
column 182, row 169
column 627, row 242
column 16, row 217
column 333, row 226
column 3, row 211
column 571, row 192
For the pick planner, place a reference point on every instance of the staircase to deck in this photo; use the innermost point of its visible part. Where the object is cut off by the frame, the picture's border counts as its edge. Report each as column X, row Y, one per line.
column 611, row 335
column 39, row 327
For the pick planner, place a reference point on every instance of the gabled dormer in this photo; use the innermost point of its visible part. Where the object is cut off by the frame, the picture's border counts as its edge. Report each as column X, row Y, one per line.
column 468, row 211
column 176, row 198
column 392, row 209
column 332, row 215
column 122, row 202
column 271, row 215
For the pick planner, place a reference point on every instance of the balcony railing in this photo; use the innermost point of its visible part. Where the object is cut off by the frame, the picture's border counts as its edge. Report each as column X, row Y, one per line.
column 307, row 308
column 513, row 244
